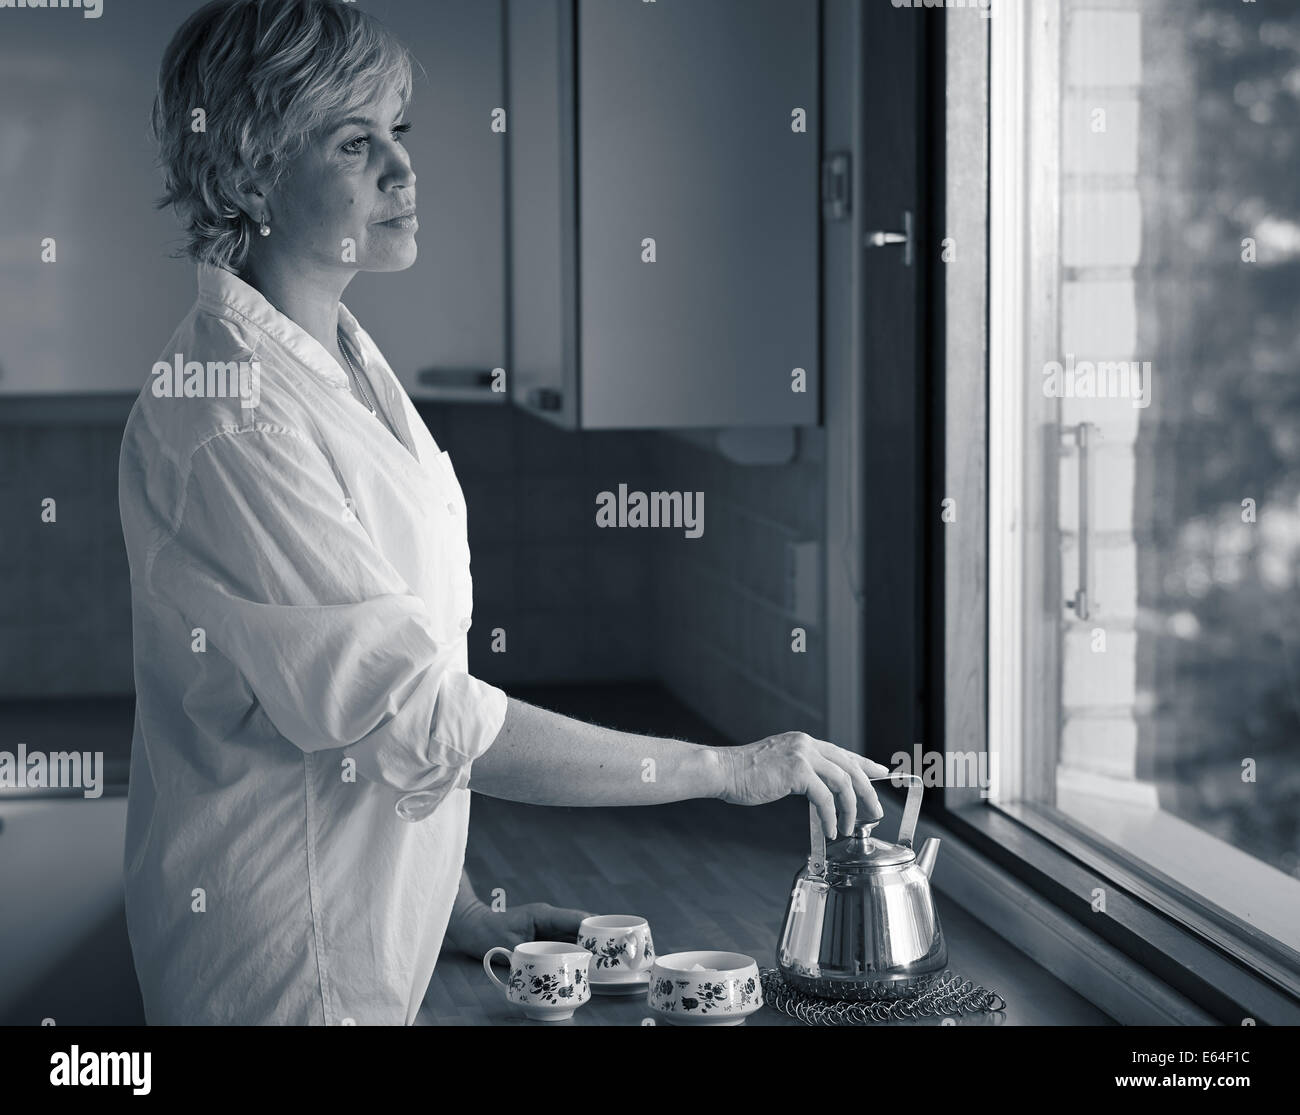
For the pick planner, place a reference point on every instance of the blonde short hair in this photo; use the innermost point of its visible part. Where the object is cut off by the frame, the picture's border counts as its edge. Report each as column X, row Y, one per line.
column 266, row 73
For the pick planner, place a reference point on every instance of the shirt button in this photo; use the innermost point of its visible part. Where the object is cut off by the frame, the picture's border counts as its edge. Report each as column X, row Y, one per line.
column 465, row 623
column 451, row 506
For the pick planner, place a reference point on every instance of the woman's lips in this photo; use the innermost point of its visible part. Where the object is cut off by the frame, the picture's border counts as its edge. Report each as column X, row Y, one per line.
column 408, row 223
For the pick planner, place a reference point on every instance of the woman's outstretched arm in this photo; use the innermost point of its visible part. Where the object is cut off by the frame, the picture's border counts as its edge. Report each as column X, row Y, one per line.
column 544, row 758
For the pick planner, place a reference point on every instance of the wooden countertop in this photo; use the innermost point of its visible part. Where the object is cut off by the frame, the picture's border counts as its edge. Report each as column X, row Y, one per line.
column 707, row 876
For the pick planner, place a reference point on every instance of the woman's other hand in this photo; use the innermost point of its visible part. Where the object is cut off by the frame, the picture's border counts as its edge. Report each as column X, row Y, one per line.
column 795, row 763
column 480, row 928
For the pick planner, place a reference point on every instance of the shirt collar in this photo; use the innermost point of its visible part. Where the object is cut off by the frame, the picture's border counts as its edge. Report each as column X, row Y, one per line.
column 225, row 293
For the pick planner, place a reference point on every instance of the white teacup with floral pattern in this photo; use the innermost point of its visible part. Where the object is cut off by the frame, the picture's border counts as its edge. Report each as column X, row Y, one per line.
column 548, row 979
column 705, row 988
column 621, row 947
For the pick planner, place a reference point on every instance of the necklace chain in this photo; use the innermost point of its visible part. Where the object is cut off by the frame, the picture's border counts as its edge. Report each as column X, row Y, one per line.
column 356, row 378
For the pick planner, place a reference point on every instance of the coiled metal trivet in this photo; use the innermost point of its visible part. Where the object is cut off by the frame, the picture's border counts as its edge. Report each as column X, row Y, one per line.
column 948, row 995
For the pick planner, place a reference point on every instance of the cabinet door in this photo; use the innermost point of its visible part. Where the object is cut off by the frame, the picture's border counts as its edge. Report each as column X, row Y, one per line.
column 75, row 93
column 541, row 209
column 445, row 317
column 685, row 111
column 87, row 295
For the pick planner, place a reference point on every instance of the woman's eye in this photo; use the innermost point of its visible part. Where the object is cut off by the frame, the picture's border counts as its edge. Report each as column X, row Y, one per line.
column 351, row 147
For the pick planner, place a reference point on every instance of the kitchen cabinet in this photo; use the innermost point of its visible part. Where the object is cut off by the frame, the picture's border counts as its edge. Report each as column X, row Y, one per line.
column 441, row 324
column 77, row 94
column 87, row 295
column 663, row 206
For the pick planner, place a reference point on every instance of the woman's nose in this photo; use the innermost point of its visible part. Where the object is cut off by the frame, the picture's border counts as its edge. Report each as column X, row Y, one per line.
column 400, row 172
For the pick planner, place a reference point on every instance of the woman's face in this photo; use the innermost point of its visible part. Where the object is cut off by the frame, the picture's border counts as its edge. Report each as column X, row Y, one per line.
column 334, row 207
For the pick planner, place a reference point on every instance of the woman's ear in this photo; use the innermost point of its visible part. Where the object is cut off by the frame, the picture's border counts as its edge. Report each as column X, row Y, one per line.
column 243, row 189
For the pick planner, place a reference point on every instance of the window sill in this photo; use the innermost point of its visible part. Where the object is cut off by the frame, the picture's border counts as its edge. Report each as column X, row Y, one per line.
column 1262, row 897
column 1138, row 964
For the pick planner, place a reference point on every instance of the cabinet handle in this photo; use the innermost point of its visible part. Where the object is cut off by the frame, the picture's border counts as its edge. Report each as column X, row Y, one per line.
column 454, row 377
column 544, row 398
column 881, row 239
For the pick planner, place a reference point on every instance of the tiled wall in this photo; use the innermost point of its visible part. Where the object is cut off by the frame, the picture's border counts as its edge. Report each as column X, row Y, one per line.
column 65, row 593
column 723, row 632
column 576, row 602
column 572, row 599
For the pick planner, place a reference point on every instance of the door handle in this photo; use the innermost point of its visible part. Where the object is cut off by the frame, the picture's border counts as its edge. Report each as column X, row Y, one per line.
column 880, row 238
column 1080, row 601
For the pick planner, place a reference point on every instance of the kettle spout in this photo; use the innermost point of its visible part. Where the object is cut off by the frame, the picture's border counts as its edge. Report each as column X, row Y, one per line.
column 929, row 853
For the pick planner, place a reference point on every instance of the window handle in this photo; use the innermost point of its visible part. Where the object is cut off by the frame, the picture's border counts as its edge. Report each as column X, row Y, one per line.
column 1080, row 601
column 881, row 239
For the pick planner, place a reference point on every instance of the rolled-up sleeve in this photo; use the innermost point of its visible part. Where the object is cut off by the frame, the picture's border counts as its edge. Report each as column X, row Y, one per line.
column 267, row 556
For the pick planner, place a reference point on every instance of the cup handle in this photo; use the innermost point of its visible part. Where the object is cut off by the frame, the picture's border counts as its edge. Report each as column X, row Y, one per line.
column 487, row 967
column 636, row 949
column 633, row 945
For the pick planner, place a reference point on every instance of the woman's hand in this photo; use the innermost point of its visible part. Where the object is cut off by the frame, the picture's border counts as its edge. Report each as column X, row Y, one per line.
column 796, row 763
column 480, row 928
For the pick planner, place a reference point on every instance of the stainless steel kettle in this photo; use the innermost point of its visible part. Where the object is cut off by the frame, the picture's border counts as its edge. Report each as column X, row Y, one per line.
column 860, row 922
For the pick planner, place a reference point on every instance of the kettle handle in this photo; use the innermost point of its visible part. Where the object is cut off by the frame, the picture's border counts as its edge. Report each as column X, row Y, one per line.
column 911, row 807
column 906, row 828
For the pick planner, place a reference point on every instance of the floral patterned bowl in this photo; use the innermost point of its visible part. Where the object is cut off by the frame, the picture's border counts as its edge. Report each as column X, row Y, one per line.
column 705, row 988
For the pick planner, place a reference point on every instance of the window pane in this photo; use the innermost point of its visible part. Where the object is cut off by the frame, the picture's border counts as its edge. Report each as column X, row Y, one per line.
column 1160, row 441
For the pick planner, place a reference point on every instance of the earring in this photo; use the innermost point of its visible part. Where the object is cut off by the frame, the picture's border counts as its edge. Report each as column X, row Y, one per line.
column 264, row 228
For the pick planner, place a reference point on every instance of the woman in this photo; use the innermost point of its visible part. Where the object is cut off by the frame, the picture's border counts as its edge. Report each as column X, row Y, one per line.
column 306, row 732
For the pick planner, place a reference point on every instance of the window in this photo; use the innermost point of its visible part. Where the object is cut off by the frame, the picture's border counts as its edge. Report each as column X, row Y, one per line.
column 1144, row 451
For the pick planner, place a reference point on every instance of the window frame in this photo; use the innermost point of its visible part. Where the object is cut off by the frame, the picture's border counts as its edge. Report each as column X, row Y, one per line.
column 1217, row 962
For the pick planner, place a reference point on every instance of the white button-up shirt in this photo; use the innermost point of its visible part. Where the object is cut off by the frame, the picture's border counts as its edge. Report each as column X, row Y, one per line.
column 305, row 724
